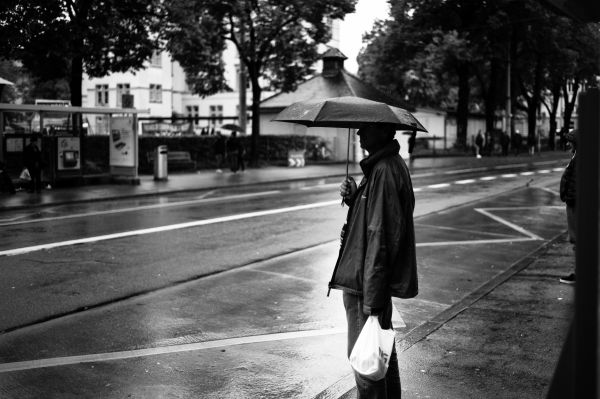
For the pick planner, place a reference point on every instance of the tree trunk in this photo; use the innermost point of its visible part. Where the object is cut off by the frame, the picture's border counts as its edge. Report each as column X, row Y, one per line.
column 570, row 103
column 491, row 96
column 256, row 91
column 552, row 116
column 534, row 105
column 462, row 111
column 76, row 79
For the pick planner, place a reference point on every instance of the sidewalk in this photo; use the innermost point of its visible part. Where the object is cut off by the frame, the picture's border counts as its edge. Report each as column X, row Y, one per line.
column 502, row 341
column 210, row 180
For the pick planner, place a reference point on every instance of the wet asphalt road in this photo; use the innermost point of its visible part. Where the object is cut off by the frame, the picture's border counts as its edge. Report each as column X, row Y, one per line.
column 222, row 294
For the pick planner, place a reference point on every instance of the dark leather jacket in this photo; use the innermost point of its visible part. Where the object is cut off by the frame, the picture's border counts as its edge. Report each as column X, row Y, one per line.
column 378, row 257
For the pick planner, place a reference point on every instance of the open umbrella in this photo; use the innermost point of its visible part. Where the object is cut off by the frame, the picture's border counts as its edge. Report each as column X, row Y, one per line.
column 232, row 126
column 350, row 112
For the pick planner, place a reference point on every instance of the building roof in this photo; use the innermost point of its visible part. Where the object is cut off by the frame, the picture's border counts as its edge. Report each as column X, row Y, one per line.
column 334, row 81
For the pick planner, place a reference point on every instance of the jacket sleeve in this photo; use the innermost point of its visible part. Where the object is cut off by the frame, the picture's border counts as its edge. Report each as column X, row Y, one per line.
column 385, row 224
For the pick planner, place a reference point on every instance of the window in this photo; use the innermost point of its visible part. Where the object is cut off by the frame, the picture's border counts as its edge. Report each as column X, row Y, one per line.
column 101, row 95
column 216, row 113
column 122, row 88
column 155, row 93
column 193, row 112
column 156, row 59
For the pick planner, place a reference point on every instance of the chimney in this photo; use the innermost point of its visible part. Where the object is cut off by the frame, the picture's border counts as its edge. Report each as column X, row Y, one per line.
column 333, row 62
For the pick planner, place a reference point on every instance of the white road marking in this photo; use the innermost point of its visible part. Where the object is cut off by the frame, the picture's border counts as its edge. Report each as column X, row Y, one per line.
column 453, row 172
column 160, row 229
column 112, row 356
column 509, row 175
column 201, row 200
column 329, row 185
column 466, row 181
column 473, row 242
column 440, row 185
column 558, row 169
column 527, row 173
column 543, row 171
column 518, row 165
column 417, row 189
column 507, row 223
column 550, row 191
column 486, row 178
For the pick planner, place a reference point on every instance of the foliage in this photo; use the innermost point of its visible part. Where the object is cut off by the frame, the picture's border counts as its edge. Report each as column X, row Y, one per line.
column 445, row 53
column 61, row 39
column 275, row 39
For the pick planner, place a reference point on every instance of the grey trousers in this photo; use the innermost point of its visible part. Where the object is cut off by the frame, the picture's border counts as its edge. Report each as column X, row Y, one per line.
column 388, row 387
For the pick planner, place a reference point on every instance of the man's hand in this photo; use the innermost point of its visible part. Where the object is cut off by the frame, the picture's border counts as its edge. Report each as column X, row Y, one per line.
column 348, row 187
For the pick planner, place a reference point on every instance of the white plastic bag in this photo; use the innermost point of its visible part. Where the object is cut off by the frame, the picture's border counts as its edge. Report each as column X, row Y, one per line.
column 370, row 356
column 25, row 174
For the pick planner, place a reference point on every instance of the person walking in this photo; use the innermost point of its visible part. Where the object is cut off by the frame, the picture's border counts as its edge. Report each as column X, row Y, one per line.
column 411, row 147
column 478, row 144
column 32, row 158
column 220, row 148
column 377, row 259
column 568, row 194
column 233, row 148
column 6, row 184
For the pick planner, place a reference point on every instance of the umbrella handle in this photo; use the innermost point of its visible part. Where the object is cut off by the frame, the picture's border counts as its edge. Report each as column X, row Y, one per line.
column 347, row 161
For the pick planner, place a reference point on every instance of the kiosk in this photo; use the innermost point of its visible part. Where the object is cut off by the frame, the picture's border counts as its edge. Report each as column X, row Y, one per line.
column 63, row 135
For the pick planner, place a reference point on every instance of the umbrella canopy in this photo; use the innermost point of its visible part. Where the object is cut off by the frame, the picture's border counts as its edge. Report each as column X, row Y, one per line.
column 348, row 112
column 6, row 82
column 232, row 126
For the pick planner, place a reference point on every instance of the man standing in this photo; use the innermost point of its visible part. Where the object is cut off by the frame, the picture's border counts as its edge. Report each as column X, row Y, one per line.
column 32, row 158
column 568, row 192
column 377, row 257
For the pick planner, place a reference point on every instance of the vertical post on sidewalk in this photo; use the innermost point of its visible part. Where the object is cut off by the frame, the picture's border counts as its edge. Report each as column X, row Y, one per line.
column 587, row 250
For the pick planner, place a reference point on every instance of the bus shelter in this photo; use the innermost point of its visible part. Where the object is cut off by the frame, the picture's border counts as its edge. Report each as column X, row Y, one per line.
column 69, row 141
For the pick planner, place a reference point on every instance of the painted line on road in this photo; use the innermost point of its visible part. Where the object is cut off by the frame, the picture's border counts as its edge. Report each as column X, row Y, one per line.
column 527, row 173
column 507, row 223
column 487, row 178
column 509, row 175
column 474, row 242
column 440, row 185
column 517, row 165
column 544, row 171
column 145, row 207
column 165, row 350
column 550, row 191
column 160, row 229
column 466, row 181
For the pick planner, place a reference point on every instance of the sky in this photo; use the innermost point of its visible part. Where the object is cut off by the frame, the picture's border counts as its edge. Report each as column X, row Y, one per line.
column 355, row 25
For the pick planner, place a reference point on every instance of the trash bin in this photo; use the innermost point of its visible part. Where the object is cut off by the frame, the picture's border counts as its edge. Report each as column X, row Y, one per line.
column 161, row 154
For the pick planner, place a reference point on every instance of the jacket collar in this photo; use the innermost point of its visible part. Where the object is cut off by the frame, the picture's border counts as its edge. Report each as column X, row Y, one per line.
column 369, row 162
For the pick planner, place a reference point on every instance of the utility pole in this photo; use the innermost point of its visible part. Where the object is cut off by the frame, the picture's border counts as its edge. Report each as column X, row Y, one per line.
column 508, row 120
column 242, row 112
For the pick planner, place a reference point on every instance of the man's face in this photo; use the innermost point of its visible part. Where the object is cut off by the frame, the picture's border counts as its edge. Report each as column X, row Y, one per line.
column 372, row 138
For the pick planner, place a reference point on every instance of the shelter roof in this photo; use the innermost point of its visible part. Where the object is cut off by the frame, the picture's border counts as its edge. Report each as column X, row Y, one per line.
column 319, row 86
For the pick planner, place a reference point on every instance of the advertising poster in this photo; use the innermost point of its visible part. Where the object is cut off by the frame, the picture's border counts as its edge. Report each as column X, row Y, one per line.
column 122, row 146
column 68, row 153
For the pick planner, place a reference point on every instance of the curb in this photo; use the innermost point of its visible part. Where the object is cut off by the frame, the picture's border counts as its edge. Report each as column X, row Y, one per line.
column 213, row 187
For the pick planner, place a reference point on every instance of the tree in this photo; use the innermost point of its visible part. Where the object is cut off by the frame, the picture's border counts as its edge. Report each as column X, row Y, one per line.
column 275, row 39
column 57, row 39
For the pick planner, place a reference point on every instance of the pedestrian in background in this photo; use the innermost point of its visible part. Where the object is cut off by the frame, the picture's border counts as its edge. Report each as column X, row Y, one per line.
column 233, row 149
column 220, row 147
column 478, row 144
column 32, row 158
column 568, row 194
column 411, row 147
column 6, row 184
column 504, row 142
column 377, row 259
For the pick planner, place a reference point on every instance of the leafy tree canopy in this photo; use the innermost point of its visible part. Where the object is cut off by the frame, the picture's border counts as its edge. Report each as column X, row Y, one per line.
column 63, row 38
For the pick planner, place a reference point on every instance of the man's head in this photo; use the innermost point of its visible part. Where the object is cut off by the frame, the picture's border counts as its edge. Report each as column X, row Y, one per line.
column 571, row 138
column 374, row 137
